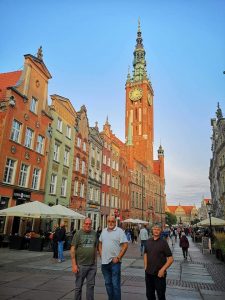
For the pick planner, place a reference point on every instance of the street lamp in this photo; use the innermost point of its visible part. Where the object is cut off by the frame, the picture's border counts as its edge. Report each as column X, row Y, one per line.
column 209, row 210
column 142, row 195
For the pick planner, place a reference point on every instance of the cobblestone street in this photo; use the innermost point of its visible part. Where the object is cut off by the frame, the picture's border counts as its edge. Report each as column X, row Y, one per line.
column 33, row 275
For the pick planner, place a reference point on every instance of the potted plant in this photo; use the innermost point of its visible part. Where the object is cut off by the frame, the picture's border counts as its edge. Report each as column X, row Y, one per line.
column 219, row 245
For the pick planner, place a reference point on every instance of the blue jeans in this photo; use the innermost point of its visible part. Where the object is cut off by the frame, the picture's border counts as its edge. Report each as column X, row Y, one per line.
column 143, row 245
column 60, row 250
column 112, row 276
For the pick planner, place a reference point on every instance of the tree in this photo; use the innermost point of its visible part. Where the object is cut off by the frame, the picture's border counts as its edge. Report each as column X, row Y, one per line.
column 195, row 221
column 171, row 219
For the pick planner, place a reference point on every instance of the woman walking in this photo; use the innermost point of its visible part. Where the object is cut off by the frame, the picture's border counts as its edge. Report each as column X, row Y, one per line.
column 184, row 244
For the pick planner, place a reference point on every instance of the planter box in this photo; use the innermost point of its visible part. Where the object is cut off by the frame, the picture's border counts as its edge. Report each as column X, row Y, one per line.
column 16, row 242
column 36, row 244
column 219, row 254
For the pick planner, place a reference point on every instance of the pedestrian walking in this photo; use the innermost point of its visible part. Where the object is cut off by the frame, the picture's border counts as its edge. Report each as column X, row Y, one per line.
column 157, row 259
column 143, row 237
column 184, row 244
column 84, row 259
column 54, row 239
column 61, row 237
column 135, row 234
column 113, row 245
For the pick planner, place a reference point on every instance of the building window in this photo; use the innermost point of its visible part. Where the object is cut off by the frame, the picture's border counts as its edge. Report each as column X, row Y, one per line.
column 56, row 152
column 16, row 129
column 113, row 164
column 103, row 199
column 108, row 163
column 75, row 191
column 36, row 179
column 103, row 177
column 66, row 157
column 108, row 179
column 10, row 169
column 84, row 147
column 104, row 159
column 53, row 184
column 59, row 124
column 29, row 138
column 68, row 131
column 63, row 187
column 77, row 163
column 117, row 166
column 107, row 200
column 91, row 193
column 82, row 190
column 78, row 142
column 24, row 175
column 33, row 105
column 40, row 144
column 113, row 182
column 83, row 167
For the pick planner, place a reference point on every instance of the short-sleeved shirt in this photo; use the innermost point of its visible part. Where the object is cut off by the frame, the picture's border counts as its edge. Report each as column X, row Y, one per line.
column 157, row 252
column 143, row 234
column 111, row 243
column 85, row 246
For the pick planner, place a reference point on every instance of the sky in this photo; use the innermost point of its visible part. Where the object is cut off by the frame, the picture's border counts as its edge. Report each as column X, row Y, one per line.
column 88, row 46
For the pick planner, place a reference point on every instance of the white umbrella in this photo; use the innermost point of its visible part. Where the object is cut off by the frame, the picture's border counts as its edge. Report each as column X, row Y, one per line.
column 34, row 209
column 140, row 221
column 214, row 222
column 128, row 221
column 65, row 212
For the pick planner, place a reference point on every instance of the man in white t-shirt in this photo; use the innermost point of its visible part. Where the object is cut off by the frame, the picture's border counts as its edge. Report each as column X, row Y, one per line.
column 113, row 245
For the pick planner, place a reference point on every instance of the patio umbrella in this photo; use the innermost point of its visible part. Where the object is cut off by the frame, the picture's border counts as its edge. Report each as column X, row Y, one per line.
column 65, row 212
column 34, row 209
column 138, row 221
column 128, row 221
column 214, row 222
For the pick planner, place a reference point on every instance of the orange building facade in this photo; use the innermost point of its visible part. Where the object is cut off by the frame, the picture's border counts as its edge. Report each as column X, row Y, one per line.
column 24, row 123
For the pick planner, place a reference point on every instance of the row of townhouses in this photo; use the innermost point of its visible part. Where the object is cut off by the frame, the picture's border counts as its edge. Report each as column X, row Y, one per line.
column 217, row 164
column 50, row 153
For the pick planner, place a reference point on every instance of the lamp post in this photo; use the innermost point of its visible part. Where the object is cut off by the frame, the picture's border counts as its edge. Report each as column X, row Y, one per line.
column 142, row 196
column 209, row 210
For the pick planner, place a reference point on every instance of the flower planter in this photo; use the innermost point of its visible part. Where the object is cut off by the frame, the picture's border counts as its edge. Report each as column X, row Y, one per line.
column 219, row 254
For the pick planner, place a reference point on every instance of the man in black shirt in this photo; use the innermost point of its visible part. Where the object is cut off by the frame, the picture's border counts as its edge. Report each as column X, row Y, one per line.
column 157, row 259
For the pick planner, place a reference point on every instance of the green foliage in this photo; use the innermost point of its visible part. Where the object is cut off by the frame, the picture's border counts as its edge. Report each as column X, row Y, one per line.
column 195, row 221
column 219, row 242
column 171, row 219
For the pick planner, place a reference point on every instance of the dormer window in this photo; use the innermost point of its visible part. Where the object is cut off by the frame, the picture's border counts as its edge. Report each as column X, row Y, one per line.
column 33, row 105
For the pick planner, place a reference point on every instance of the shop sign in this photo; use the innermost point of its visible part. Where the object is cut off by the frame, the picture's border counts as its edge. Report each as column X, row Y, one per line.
column 21, row 195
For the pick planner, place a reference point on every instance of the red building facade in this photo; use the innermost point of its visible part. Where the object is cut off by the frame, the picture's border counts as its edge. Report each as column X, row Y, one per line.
column 24, row 122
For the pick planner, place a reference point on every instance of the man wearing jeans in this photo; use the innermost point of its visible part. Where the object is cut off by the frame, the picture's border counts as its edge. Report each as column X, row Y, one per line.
column 83, row 255
column 113, row 245
column 61, row 237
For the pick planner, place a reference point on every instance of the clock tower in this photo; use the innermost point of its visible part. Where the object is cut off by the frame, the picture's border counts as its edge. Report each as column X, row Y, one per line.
column 139, row 108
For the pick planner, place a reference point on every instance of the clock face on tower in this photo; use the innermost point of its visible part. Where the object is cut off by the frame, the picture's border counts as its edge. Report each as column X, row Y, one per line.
column 135, row 94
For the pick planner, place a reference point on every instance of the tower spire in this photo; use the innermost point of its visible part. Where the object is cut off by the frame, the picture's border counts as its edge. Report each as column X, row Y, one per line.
column 139, row 62
column 219, row 113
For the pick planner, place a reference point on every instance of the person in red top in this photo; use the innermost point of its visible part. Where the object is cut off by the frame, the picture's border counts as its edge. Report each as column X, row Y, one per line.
column 184, row 244
column 157, row 259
